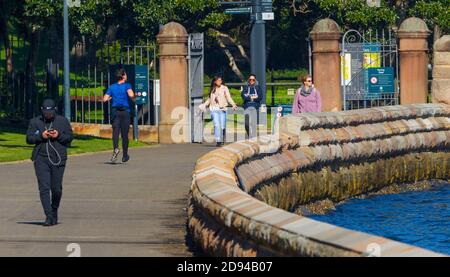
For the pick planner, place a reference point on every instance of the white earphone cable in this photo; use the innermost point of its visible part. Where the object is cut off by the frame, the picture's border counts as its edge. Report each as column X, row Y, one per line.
column 54, row 149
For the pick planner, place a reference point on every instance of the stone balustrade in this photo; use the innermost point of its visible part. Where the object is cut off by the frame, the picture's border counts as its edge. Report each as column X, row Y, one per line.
column 314, row 156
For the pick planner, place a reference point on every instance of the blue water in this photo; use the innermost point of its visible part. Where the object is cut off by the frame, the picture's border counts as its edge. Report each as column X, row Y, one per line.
column 420, row 218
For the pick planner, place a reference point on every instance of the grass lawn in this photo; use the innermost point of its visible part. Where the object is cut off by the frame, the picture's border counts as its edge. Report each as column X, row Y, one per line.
column 14, row 148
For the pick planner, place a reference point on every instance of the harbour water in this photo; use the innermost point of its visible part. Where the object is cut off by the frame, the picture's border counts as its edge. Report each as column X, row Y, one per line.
column 420, row 218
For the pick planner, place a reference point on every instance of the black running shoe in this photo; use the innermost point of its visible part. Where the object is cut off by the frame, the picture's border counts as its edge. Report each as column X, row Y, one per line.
column 125, row 158
column 115, row 154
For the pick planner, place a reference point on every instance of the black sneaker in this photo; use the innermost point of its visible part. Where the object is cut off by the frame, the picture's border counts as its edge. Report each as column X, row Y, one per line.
column 125, row 158
column 115, row 154
column 49, row 221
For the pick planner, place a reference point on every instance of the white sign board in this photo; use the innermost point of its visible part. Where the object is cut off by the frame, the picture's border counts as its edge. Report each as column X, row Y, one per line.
column 346, row 69
column 156, row 94
column 268, row 16
column 73, row 3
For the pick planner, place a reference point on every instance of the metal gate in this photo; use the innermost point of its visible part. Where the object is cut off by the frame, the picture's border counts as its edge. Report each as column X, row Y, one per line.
column 196, row 54
column 369, row 69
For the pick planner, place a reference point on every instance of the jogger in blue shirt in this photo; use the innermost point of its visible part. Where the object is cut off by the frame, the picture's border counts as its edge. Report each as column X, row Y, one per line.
column 119, row 94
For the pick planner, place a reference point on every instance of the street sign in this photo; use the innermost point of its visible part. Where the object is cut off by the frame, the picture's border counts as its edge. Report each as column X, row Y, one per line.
column 241, row 10
column 266, row 6
column 137, row 78
column 381, row 80
column 235, row 3
column 268, row 16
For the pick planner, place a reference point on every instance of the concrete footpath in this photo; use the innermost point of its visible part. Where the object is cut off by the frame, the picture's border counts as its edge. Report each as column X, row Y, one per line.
column 132, row 209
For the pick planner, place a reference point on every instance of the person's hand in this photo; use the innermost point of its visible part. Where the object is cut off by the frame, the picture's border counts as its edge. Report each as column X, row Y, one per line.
column 253, row 97
column 202, row 107
column 45, row 134
column 54, row 134
column 235, row 107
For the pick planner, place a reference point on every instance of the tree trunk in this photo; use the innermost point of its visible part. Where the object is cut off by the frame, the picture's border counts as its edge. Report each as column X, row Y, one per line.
column 8, row 55
column 231, row 60
column 7, row 43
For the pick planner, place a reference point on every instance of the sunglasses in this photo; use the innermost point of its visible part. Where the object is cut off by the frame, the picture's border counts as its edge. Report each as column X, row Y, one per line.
column 309, row 81
column 252, row 79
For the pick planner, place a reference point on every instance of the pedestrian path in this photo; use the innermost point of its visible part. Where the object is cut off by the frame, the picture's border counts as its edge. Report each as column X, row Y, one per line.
column 132, row 209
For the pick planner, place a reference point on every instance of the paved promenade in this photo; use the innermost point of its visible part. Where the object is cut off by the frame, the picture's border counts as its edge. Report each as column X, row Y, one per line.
column 133, row 209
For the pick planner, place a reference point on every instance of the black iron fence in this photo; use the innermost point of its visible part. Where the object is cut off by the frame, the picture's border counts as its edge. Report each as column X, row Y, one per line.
column 22, row 92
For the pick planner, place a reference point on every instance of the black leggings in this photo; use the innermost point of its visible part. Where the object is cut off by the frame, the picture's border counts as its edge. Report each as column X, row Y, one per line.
column 121, row 125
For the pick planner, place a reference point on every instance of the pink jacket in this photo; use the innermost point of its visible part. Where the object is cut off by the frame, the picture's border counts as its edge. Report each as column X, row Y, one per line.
column 307, row 104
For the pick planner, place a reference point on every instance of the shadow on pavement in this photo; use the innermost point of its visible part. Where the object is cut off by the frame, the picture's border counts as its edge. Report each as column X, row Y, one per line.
column 40, row 223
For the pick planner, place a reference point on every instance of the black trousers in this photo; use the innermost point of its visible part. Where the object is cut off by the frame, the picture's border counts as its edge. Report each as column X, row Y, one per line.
column 121, row 125
column 50, row 178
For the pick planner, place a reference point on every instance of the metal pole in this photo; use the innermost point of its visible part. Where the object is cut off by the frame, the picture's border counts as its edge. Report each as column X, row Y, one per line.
column 135, row 123
column 191, row 108
column 258, row 47
column 66, row 62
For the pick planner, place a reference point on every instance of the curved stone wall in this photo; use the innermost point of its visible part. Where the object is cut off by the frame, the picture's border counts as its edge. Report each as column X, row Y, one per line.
column 299, row 165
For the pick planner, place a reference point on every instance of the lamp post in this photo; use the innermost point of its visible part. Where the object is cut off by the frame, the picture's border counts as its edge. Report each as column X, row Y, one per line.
column 258, row 46
column 66, row 62
column 67, row 4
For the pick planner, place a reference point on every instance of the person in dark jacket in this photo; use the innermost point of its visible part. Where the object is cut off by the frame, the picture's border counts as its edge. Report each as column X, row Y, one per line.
column 252, row 95
column 51, row 134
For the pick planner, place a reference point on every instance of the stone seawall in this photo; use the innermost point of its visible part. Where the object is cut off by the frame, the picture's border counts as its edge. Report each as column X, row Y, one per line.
column 314, row 156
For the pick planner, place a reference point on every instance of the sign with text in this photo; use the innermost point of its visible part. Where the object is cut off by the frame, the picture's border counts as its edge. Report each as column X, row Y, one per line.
column 266, row 6
column 267, row 16
column 141, row 84
column 346, row 69
column 381, row 80
column 372, row 55
column 238, row 10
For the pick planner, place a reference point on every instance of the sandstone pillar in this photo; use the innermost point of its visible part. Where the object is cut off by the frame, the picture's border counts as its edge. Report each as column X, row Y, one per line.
column 325, row 36
column 441, row 71
column 174, row 123
column 413, row 34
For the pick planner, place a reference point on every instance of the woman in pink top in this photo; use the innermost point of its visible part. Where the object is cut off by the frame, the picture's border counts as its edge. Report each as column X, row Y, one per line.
column 307, row 99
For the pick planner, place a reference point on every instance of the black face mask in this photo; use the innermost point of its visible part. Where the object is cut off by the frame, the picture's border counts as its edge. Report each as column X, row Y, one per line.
column 48, row 109
column 48, row 114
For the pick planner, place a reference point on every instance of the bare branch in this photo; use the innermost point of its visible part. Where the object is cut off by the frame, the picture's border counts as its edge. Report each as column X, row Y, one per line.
column 302, row 7
column 231, row 60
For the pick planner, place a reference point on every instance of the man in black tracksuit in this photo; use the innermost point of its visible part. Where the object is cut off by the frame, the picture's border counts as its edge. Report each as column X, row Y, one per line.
column 51, row 134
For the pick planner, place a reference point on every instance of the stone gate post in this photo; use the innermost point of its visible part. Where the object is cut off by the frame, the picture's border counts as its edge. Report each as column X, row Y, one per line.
column 413, row 34
column 174, row 123
column 325, row 36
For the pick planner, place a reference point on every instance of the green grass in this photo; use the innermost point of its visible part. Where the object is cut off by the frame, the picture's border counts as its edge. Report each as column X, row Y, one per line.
column 14, row 148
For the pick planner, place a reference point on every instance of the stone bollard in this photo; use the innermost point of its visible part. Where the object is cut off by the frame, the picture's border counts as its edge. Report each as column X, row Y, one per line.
column 413, row 34
column 441, row 71
column 326, row 63
column 174, row 123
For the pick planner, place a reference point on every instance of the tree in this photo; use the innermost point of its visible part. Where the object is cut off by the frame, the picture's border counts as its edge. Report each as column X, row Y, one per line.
column 435, row 13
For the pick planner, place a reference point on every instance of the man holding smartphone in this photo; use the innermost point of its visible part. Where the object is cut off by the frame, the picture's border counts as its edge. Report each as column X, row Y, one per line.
column 51, row 134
